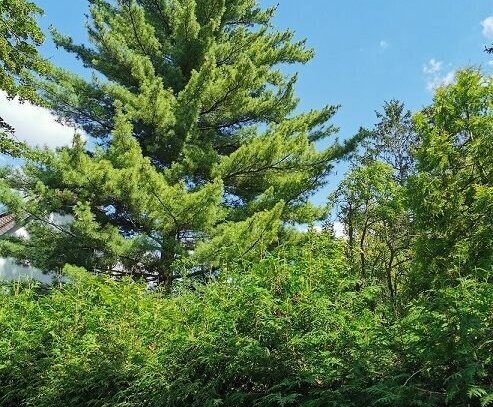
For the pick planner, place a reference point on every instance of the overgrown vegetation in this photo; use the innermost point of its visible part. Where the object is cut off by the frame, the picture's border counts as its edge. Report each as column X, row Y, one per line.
column 295, row 328
column 246, row 310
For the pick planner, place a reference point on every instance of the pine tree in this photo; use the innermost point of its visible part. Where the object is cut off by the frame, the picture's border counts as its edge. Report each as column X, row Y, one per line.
column 195, row 154
column 393, row 141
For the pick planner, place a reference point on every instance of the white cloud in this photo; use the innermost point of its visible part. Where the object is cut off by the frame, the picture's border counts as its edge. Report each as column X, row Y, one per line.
column 384, row 44
column 487, row 24
column 34, row 125
column 434, row 75
column 438, row 80
column 433, row 66
column 447, row 79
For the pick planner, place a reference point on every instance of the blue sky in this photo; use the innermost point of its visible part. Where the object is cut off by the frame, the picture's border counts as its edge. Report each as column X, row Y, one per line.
column 366, row 51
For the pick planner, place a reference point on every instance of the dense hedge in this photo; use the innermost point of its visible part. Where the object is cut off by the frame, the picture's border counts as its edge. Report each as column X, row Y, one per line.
column 296, row 329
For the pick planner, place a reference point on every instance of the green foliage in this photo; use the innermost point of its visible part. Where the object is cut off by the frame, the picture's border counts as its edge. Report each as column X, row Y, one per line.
column 393, row 141
column 19, row 58
column 451, row 196
column 197, row 137
column 295, row 329
column 201, row 169
column 444, row 349
column 276, row 335
column 372, row 207
column 19, row 36
column 371, row 201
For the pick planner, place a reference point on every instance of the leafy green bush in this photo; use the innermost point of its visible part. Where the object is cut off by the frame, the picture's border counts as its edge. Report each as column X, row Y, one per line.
column 295, row 329
column 442, row 349
column 285, row 332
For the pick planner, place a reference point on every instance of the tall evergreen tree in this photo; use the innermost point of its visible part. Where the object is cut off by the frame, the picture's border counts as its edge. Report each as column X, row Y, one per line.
column 452, row 194
column 196, row 153
column 393, row 141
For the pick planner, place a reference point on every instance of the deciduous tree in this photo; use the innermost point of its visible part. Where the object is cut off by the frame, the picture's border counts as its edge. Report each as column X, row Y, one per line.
column 19, row 58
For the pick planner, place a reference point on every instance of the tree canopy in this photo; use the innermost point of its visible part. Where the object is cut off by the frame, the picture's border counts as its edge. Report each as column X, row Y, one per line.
column 451, row 196
column 190, row 148
column 194, row 169
column 19, row 58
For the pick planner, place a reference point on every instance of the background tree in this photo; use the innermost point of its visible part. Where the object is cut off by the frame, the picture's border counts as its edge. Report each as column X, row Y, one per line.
column 392, row 140
column 371, row 200
column 371, row 206
column 452, row 194
column 196, row 140
column 19, row 38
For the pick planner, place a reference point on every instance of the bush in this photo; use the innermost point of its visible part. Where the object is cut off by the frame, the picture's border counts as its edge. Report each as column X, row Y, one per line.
column 284, row 332
column 295, row 329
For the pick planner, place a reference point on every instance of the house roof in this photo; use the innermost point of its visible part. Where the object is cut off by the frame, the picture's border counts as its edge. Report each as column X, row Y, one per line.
column 7, row 222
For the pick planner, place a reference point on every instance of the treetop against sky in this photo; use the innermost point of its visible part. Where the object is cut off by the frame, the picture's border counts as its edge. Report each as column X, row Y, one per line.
column 365, row 53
